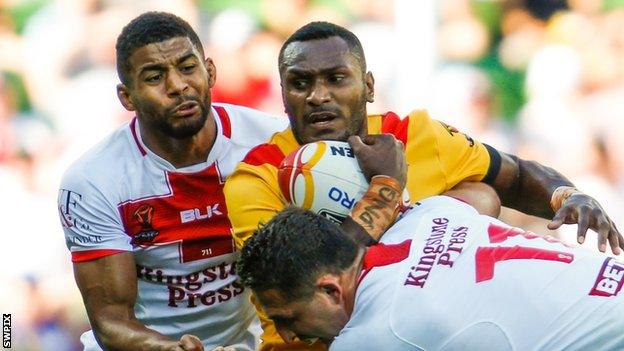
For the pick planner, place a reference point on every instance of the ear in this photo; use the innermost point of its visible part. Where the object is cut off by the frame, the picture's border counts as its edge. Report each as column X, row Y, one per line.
column 212, row 71
column 124, row 97
column 329, row 285
column 369, row 80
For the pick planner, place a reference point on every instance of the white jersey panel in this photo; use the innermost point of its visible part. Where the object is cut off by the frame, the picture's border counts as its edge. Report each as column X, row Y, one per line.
column 473, row 283
column 120, row 196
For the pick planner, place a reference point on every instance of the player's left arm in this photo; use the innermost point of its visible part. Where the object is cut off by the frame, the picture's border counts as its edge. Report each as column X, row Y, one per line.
column 526, row 186
column 535, row 189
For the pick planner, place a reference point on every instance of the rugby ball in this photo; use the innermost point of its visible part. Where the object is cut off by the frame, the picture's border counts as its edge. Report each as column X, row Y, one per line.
column 323, row 177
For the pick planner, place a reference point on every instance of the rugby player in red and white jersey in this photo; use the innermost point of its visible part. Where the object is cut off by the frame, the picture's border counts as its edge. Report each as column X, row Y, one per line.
column 143, row 211
column 442, row 277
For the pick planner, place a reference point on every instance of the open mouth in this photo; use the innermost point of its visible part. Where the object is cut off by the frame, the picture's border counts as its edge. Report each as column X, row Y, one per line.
column 321, row 117
column 186, row 109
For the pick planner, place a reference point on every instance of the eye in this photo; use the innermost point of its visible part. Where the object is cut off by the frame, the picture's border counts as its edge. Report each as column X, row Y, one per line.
column 336, row 78
column 299, row 83
column 153, row 78
column 188, row 68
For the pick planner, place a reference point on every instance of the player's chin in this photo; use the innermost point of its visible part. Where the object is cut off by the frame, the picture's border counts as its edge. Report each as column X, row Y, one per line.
column 187, row 127
column 337, row 135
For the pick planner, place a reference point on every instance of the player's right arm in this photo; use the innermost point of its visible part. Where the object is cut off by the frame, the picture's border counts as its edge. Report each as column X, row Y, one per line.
column 377, row 155
column 104, row 267
column 109, row 286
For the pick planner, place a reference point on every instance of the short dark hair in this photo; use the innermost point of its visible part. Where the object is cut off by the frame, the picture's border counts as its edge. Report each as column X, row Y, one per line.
column 291, row 250
column 150, row 27
column 324, row 30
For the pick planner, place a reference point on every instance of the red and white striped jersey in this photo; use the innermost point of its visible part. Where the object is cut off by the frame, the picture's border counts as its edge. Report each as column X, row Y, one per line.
column 120, row 196
column 446, row 278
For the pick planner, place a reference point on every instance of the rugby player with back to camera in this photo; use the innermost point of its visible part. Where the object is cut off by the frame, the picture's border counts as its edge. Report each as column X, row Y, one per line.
column 443, row 277
column 325, row 89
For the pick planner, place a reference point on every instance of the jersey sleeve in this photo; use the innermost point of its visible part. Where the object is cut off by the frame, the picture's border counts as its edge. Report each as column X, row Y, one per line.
column 460, row 157
column 252, row 193
column 90, row 223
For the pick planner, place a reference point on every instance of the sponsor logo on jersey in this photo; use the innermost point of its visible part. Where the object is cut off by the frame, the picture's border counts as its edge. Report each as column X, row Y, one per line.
column 610, row 279
column 442, row 248
column 452, row 131
column 196, row 289
column 195, row 214
column 144, row 215
column 67, row 203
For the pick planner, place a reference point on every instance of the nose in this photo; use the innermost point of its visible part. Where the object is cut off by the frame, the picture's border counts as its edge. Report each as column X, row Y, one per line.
column 286, row 334
column 319, row 94
column 176, row 84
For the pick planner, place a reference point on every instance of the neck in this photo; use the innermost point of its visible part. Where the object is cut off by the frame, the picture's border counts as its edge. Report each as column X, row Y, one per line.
column 352, row 275
column 181, row 152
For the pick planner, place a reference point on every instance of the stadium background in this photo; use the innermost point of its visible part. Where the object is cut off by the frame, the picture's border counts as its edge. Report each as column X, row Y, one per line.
column 540, row 78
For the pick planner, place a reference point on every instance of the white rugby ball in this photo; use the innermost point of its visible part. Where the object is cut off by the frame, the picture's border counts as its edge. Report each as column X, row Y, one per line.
column 324, row 177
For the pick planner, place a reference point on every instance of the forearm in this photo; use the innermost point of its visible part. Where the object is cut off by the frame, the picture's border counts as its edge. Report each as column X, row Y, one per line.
column 356, row 232
column 375, row 211
column 127, row 333
column 532, row 190
column 109, row 288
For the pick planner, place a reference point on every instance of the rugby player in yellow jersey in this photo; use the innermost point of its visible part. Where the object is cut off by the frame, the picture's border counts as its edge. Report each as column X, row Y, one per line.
column 325, row 88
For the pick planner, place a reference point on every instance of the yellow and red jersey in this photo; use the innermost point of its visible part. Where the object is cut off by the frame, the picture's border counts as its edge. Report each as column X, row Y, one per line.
column 438, row 157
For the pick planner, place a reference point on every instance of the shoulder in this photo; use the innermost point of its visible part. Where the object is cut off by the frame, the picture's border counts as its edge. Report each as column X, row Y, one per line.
column 273, row 151
column 392, row 123
column 267, row 153
column 105, row 164
column 246, row 126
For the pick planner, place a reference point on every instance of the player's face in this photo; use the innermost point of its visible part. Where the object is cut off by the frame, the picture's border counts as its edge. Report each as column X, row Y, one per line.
column 170, row 87
column 324, row 90
column 319, row 317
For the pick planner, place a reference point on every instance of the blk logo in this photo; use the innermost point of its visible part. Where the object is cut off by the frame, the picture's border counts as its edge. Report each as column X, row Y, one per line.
column 195, row 213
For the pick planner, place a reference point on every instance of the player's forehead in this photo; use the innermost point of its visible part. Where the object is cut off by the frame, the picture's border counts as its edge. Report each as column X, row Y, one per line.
column 318, row 55
column 163, row 52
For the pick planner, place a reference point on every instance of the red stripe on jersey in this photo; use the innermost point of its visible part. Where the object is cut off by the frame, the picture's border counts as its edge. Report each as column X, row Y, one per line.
column 382, row 255
column 84, row 256
column 263, row 154
column 459, row 199
column 389, row 122
column 225, row 121
column 192, row 213
column 136, row 138
column 498, row 233
column 392, row 124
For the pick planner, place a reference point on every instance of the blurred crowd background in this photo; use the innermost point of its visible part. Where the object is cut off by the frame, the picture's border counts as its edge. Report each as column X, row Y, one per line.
column 543, row 79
